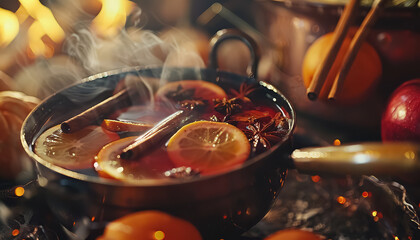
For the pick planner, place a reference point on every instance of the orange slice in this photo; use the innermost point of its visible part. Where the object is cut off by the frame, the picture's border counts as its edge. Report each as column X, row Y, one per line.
column 151, row 166
column 208, row 147
column 124, row 126
column 202, row 90
column 72, row 150
column 150, row 225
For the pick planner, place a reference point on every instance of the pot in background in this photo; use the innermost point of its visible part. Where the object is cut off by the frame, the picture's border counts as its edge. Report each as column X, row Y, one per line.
column 292, row 26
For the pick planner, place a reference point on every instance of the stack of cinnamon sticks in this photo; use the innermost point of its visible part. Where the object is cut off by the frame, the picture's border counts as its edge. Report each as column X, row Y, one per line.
column 340, row 33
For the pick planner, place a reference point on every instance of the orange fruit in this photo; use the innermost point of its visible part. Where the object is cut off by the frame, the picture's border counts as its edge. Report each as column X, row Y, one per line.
column 293, row 234
column 151, row 166
column 72, row 150
column 124, row 126
column 208, row 147
column 150, row 225
column 201, row 90
column 363, row 75
column 14, row 107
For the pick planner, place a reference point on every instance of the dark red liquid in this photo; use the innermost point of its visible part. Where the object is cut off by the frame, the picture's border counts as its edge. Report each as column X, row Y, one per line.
column 157, row 163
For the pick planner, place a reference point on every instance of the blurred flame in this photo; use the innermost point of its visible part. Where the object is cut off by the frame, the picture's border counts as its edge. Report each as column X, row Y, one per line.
column 46, row 19
column 112, row 17
column 109, row 21
column 9, row 27
column 21, row 14
column 44, row 24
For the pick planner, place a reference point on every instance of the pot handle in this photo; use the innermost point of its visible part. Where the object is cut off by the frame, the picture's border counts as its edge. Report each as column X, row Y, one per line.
column 229, row 34
column 393, row 159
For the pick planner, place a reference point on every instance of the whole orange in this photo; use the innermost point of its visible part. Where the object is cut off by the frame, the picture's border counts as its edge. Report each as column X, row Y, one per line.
column 293, row 234
column 150, row 225
column 363, row 75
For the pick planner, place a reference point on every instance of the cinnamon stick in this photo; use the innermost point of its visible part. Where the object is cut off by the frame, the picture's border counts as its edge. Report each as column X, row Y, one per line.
column 89, row 116
column 190, row 109
column 153, row 137
column 354, row 47
column 340, row 32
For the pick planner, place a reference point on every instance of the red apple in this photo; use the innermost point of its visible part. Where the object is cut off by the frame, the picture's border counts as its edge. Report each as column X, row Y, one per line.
column 401, row 119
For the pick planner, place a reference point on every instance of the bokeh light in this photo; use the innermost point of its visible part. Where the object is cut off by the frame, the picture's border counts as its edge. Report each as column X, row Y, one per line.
column 19, row 191
column 341, row 200
column 159, row 235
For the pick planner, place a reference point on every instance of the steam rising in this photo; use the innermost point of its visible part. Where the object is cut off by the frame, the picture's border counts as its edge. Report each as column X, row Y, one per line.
column 87, row 54
column 134, row 48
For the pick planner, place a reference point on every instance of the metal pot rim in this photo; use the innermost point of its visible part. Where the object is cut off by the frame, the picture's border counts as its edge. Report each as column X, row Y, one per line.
column 152, row 182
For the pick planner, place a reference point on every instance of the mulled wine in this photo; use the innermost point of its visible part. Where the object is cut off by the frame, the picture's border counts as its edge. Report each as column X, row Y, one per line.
column 186, row 129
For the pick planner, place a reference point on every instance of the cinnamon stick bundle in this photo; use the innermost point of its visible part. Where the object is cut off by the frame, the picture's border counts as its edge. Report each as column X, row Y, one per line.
column 340, row 32
column 355, row 45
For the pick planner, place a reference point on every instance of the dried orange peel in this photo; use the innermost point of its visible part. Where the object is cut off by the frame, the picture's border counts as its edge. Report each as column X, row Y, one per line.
column 124, row 126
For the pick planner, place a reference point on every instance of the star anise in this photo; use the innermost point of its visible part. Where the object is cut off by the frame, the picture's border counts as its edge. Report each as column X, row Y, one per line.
column 244, row 90
column 227, row 106
column 180, row 94
column 262, row 136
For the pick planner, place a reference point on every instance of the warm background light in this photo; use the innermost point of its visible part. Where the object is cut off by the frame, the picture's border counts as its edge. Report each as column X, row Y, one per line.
column 44, row 24
column 112, row 17
column 9, row 27
column 337, row 142
column 19, row 191
column 341, row 200
column 44, row 32
column 159, row 235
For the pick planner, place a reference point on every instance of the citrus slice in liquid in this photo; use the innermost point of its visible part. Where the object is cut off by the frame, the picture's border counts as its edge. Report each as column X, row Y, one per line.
column 72, row 150
column 190, row 89
column 208, row 147
column 150, row 166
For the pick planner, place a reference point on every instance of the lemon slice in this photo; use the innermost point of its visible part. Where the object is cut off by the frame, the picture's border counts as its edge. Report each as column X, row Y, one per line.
column 208, row 147
column 72, row 150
